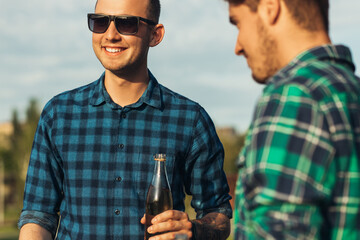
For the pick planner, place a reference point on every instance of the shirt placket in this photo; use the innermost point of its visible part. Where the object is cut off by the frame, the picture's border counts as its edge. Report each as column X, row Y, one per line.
column 120, row 176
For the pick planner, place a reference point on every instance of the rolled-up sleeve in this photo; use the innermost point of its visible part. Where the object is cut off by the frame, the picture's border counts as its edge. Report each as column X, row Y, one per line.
column 43, row 193
column 207, row 182
column 45, row 220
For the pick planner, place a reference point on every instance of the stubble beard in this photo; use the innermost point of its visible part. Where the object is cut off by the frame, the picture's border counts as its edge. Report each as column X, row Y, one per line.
column 267, row 49
column 124, row 65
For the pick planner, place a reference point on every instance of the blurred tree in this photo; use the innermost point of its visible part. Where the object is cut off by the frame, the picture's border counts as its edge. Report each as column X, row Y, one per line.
column 12, row 155
column 2, row 190
column 233, row 142
column 16, row 157
column 31, row 121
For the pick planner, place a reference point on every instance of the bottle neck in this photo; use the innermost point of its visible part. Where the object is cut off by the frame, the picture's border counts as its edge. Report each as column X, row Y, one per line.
column 160, row 175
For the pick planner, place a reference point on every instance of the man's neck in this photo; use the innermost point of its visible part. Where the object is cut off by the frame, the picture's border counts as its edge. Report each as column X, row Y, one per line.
column 292, row 38
column 294, row 44
column 125, row 90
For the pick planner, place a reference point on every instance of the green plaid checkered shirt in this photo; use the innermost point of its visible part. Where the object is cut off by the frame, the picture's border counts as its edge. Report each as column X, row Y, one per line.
column 299, row 174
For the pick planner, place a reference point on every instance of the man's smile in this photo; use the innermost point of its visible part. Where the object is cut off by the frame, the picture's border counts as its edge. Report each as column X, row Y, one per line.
column 114, row 49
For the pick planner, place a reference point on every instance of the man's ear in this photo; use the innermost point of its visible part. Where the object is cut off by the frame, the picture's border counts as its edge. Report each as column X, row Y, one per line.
column 157, row 35
column 269, row 10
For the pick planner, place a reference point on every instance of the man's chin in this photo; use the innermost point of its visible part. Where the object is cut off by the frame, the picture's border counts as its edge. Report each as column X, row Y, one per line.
column 260, row 79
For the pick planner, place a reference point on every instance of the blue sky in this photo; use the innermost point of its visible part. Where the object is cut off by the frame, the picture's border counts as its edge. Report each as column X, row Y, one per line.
column 46, row 49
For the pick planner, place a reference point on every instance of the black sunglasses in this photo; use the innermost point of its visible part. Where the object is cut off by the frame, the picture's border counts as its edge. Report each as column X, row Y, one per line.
column 125, row 24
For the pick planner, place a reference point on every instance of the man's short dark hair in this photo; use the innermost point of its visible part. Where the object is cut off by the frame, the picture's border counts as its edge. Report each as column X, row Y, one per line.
column 153, row 11
column 311, row 15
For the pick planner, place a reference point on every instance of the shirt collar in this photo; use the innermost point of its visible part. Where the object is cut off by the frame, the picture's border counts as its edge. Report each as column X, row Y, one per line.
column 97, row 96
column 152, row 95
column 331, row 52
column 336, row 53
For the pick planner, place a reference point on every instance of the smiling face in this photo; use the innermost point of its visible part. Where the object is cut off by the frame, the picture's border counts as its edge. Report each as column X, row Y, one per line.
column 254, row 42
column 123, row 54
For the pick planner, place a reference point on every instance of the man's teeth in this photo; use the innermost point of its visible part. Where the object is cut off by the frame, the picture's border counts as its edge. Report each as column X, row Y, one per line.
column 113, row 50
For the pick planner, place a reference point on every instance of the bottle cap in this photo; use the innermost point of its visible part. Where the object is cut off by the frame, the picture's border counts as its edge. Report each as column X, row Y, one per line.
column 160, row 157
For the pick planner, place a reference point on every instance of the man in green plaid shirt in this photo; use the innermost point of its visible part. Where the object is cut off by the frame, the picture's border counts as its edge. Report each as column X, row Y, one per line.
column 299, row 174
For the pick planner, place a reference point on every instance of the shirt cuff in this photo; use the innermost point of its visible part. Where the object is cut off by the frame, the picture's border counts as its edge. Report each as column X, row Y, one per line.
column 45, row 220
column 223, row 208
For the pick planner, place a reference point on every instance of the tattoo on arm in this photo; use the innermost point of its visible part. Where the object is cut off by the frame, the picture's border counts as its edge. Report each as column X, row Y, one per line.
column 213, row 226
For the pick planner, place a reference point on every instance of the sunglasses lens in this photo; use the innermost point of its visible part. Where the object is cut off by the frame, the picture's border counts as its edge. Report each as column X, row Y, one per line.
column 98, row 24
column 127, row 25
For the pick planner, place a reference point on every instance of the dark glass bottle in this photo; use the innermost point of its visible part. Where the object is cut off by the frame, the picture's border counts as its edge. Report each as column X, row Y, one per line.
column 159, row 198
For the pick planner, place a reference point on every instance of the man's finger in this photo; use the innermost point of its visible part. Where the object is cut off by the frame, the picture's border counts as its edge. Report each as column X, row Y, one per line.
column 170, row 215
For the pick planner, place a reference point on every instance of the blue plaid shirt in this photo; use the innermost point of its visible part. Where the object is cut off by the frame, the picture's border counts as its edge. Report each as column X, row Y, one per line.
column 92, row 161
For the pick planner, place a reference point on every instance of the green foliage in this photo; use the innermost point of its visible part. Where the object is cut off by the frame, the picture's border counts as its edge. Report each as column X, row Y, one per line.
column 232, row 142
column 12, row 156
column 22, row 137
column 16, row 155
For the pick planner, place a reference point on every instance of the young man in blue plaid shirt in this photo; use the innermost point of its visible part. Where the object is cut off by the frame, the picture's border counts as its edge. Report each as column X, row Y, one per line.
column 92, row 158
column 299, row 172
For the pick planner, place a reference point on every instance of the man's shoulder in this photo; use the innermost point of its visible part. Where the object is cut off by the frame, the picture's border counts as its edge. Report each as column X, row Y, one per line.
column 76, row 97
column 176, row 105
column 318, row 79
column 172, row 97
column 77, row 94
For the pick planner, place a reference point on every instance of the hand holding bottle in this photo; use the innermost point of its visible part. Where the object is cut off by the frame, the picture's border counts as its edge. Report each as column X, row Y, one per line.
column 170, row 223
column 160, row 220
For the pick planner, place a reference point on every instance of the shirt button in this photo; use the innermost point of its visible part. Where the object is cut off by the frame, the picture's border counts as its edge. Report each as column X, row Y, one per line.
column 123, row 115
column 121, row 146
column 117, row 212
column 118, row 179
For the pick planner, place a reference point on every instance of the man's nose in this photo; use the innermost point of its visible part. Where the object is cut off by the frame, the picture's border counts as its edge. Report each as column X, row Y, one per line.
column 112, row 33
column 239, row 50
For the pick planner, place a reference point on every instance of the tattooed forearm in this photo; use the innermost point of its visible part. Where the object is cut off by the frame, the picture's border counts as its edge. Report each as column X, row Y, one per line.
column 214, row 226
